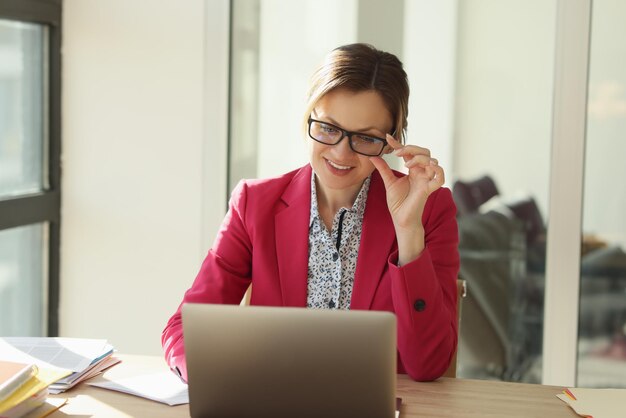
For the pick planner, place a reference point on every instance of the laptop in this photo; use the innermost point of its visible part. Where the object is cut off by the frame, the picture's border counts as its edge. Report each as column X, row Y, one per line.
column 289, row 362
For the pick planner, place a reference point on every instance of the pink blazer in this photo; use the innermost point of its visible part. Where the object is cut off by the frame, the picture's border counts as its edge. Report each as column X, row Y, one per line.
column 264, row 240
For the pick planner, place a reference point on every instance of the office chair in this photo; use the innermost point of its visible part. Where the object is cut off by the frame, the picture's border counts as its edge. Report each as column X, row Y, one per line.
column 461, row 292
column 469, row 195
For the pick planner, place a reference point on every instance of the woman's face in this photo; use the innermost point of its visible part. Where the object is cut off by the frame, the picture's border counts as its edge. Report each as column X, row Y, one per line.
column 337, row 166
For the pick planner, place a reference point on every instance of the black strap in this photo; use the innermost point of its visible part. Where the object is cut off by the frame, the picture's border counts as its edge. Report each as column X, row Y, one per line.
column 343, row 212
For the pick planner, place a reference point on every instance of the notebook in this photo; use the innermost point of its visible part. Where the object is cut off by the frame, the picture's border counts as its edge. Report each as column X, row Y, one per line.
column 287, row 362
column 13, row 376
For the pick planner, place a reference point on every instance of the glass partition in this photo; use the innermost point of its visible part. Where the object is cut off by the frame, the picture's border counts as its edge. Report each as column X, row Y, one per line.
column 602, row 315
column 481, row 74
column 502, row 143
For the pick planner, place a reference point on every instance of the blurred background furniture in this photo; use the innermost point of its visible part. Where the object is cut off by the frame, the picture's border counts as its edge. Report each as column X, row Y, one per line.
column 470, row 195
column 461, row 292
column 502, row 244
column 501, row 333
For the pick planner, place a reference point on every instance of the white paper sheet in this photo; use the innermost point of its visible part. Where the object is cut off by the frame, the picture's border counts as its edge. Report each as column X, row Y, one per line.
column 164, row 387
column 75, row 354
column 599, row 403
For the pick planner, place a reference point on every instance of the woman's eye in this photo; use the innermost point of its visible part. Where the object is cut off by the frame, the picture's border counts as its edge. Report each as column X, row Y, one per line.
column 328, row 129
column 367, row 139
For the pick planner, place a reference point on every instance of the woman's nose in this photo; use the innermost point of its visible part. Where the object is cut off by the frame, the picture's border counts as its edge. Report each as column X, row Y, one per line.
column 343, row 147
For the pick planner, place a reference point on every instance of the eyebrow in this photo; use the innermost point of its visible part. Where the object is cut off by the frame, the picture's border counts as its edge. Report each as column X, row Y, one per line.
column 363, row 130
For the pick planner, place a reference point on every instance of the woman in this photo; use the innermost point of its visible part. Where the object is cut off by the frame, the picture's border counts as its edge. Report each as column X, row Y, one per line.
column 345, row 231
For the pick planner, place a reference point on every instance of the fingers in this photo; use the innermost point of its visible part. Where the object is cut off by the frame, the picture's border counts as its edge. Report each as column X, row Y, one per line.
column 410, row 150
column 384, row 170
column 393, row 142
column 404, row 150
column 419, row 162
column 440, row 176
column 436, row 176
column 431, row 172
column 423, row 160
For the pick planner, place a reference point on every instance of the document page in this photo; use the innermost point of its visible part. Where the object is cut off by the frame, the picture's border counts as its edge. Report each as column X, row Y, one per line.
column 75, row 354
column 164, row 387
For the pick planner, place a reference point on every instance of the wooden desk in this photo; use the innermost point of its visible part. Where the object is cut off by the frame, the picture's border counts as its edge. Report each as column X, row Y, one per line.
column 87, row 401
column 447, row 397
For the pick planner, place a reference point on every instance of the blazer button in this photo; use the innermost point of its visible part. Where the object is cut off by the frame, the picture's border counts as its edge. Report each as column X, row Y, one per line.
column 419, row 305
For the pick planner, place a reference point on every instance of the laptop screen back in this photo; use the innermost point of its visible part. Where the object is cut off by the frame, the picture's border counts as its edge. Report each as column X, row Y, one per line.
column 286, row 362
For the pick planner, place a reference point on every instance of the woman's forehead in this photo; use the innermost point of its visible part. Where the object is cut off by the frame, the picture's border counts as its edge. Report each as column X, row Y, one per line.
column 355, row 111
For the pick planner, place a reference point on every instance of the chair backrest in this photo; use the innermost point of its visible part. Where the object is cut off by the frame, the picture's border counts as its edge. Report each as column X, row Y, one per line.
column 461, row 291
column 469, row 195
column 246, row 297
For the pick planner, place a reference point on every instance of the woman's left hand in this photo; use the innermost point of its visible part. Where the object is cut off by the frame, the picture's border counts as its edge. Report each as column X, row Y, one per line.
column 407, row 195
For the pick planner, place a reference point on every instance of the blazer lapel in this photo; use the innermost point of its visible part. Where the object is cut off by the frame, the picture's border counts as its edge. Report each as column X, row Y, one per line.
column 377, row 238
column 292, row 238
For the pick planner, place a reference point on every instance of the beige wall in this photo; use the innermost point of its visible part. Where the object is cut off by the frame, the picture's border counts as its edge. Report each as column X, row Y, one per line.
column 138, row 209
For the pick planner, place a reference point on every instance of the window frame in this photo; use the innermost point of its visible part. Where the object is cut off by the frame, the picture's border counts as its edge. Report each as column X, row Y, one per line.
column 45, row 206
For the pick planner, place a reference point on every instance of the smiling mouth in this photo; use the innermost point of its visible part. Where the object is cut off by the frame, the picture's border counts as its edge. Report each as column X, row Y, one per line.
column 337, row 166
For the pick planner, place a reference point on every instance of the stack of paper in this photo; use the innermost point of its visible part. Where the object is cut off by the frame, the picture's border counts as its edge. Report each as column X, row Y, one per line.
column 596, row 403
column 24, row 387
column 82, row 358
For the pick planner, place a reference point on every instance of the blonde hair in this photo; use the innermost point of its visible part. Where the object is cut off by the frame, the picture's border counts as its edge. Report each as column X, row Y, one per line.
column 361, row 67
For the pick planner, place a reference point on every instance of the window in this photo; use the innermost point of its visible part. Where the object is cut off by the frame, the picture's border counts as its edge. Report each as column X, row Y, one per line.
column 602, row 307
column 30, row 38
column 504, row 75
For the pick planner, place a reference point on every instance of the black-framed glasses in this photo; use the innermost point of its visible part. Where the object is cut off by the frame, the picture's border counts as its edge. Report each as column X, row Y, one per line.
column 329, row 134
